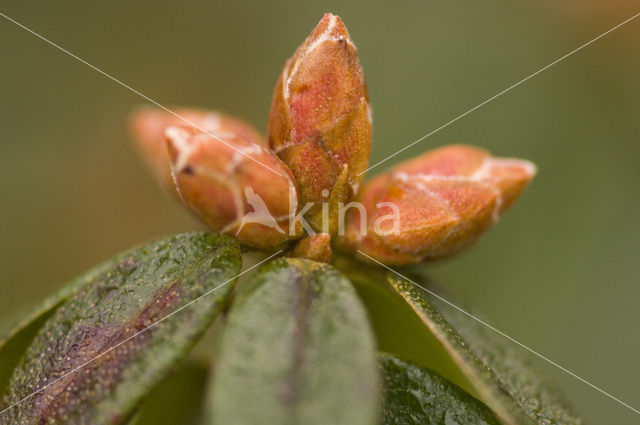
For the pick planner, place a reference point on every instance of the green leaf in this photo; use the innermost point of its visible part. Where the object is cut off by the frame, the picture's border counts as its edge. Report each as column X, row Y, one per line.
column 489, row 367
column 297, row 349
column 100, row 352
column 416, row 396
column 482, row 378
column 17, row 339
column 14, row 344
column 512, row 365
column 398, row 329
column 504, row 377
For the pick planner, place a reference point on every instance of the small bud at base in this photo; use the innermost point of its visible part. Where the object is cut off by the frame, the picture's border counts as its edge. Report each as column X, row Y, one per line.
column 316, row 247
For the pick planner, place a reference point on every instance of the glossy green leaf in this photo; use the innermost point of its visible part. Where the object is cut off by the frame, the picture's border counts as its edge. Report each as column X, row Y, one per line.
column 512, row 365
column 417, row 396
column 482, row 378
column 15, row 342
column 297, row 349
column 119, row 334
column 504, row 377
column 489, row 367
column 398, row 329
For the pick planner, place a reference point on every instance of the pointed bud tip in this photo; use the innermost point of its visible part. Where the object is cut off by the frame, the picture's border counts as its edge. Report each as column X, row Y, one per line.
column 148, row 125
column 530, row 168
column 331, row 27
column 510, row 176
column 181, row 144
column 176, row 135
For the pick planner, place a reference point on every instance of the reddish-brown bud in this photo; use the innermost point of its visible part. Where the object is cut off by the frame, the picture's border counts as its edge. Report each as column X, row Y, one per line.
column 148, row 125
column 316, row 247
column 435, row 205
column 240, row 188
column 320, row 121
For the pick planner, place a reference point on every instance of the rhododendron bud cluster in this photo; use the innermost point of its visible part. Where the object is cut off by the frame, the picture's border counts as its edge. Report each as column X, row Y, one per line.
column 301, row 187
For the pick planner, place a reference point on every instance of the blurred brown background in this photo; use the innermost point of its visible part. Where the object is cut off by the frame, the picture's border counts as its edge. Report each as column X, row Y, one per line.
column 560, row 273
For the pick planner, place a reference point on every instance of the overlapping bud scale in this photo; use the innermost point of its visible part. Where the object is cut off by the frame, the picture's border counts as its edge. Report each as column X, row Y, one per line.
column 443, row 200
column 148, row 128
column 233, row 188
column 320, row 121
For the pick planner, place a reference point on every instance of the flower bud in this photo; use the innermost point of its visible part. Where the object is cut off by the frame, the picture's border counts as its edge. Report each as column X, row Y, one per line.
column 316, row 247
column 240, row 188
column 320, row 121
column 148, row 125
column 435, row 205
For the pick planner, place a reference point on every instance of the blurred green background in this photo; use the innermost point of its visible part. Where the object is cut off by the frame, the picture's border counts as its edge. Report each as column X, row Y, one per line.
column 561, row 272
